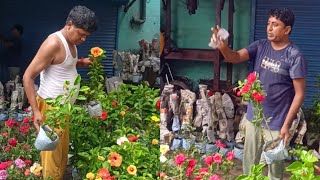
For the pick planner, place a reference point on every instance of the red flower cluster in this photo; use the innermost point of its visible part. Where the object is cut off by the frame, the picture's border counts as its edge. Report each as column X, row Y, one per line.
column 4, row 165
column 11, row 123
column 133, row 138
column 180, row 159
column 252, row 89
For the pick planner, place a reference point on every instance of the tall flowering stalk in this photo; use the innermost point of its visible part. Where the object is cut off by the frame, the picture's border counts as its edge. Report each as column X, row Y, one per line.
column 96, row 72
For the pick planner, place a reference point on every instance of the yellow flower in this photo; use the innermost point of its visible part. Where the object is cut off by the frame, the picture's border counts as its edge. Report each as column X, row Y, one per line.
column 36, row 169
column 123, row 113
column 98, row 178
column 96, row 51
column 164, row 149
column 132, row 169
column 155, row 141
column 101, row 158
column 114, row 159
column 155, row 119
column 90, row 176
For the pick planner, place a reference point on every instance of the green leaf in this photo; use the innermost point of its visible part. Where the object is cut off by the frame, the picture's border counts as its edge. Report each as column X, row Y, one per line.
column 84, row 88
column 67, row 83
column 49, row 101
column 297, row 165
column 81, row 97
column 77, row 80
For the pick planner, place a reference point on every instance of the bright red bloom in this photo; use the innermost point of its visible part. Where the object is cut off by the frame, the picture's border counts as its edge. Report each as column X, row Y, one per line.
column 104, row 115
column 104, row 173
column 245, row 88
column 7, row 149
column 25, row 121
column 208, row 160
column 180, row 159
column 158, row 104
column 133, row 138
column 251, row 78
column 11, row 123
column 13, row 142
column 28, row 162
column 214, row 177
column 203, row 171
column 192, row 163
column 219, row 144
column 258, row 97
column 189, row 171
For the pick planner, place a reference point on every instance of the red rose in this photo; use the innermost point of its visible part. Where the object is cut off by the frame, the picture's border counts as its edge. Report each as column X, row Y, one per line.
column 13, row 142
column 192, row 163
column 189, row 171
column 208, row 160
column 11, row 123
column 28, row 162
column 251, row 78
column 245, row 88
column 7, row 149
column 25, row 121
column 258, row 97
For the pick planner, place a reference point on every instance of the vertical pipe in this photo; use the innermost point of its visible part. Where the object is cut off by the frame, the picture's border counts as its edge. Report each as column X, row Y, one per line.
column 168, row 27
column 230, row 42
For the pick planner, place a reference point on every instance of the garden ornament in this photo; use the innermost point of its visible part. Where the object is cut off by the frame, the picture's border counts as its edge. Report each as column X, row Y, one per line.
column 203, row 91
column 197, row 121
column 302, row 127
column 228, row 105
column 221, row 116
column 154, row 48
column 21, row 96
column 186, row 105
column 14, row 100
column 164, row 113
column 113, row 83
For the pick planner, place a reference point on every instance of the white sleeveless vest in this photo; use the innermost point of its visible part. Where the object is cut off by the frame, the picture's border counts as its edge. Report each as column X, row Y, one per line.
column 54, row 76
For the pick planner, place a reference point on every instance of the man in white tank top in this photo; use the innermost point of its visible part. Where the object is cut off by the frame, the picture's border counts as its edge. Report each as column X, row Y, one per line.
column 56, row 62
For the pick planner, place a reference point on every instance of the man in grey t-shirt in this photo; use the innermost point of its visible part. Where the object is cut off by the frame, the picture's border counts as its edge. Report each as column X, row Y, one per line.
column 282, row 70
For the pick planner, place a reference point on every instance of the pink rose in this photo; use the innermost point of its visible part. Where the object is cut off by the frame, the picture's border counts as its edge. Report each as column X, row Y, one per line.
column 214, row 177
column 192, row 163
column 251, row 78
column 245, row 88
column 217, row 158
column 230, row 156
column 180, row 159
column 208, row 160
column 189, row 171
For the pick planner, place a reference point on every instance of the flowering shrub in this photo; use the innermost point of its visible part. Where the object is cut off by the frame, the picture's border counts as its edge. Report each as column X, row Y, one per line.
column 183, row 165
column 251, row 90
column 18, row 158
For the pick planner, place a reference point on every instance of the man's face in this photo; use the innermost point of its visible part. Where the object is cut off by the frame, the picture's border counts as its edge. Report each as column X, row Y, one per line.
column 77, row 35
column 277, row 30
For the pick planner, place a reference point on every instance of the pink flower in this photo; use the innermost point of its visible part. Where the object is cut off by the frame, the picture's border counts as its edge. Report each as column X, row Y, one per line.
column 251, row 78
column 189, row 171
column 7, row 149
column 5, row 134
column 197, row 178
column 20, row 163
column 208, row 160
column 230, row 156
column 192, row 163
column 180, row 159
column 220, row 145
column 27, row 172
column 214, row 177
column 217, row 158
column 3, row 174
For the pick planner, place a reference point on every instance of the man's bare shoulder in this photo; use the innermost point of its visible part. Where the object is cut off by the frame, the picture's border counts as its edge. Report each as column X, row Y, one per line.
column 51, row 43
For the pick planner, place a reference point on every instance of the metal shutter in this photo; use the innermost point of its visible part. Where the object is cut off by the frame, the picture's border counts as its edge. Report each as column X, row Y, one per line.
column 305, row 33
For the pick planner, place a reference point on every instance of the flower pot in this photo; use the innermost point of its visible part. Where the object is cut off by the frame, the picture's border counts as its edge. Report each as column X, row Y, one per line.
column 94, row 109
column 274, row 151
column 4, row 116
column 238, row 151
column 211, row 148
column 43, row 142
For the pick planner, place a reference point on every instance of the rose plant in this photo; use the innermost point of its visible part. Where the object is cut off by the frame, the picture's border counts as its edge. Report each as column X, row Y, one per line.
column 251, row 90
column 18, row 155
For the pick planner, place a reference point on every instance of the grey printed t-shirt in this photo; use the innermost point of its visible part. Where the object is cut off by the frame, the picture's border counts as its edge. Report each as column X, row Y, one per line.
column 277, row 69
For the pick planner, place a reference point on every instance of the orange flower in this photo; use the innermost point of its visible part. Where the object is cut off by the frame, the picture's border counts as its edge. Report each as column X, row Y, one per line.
column 155, row 141
column 132, row 169
column 114, row 159
column 96, row 51
column 123, row 113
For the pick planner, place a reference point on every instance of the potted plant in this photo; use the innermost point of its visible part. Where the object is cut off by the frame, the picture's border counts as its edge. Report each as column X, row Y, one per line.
column 57, row 115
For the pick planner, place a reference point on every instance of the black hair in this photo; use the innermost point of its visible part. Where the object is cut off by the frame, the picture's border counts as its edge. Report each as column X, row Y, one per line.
column 19, row 28
column 83, row 18
column 285, row 15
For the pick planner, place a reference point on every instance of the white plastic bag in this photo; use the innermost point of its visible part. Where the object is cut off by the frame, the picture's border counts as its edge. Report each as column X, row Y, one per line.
column 276, row 154
column 43, row 142
column 95, row 109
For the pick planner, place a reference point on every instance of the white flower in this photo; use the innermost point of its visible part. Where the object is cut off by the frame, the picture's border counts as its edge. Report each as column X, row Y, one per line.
column 121, row 140
column 163, row 159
